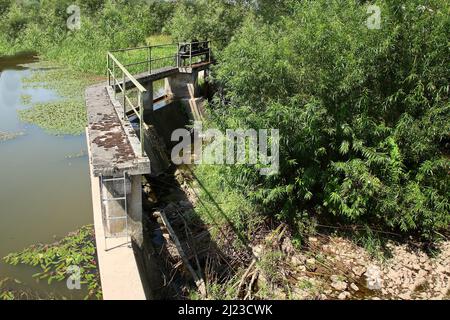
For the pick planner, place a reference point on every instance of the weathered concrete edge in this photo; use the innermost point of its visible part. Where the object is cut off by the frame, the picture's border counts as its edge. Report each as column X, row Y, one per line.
column 119, row 273
column 142, row 163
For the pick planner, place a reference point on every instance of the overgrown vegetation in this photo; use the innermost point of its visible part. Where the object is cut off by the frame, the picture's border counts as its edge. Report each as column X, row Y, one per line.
column 363, row 113
column 41, row 26
column 55, row 260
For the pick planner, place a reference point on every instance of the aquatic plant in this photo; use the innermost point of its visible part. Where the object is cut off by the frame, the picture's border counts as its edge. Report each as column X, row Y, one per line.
column 67, row 83
column 13, row 289
column 59, row 118
column 25, row 99
column 54, row 260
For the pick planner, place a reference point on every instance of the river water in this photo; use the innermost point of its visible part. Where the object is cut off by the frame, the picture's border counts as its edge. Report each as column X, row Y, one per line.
column 44, row 190
column 44, row 194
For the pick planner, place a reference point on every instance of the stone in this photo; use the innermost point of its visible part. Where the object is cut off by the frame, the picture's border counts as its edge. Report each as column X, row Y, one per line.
column 354, row 287
column 296, row 261
column 422, row 273
column 311, row 264
column 416, row 266
column 337, row 283
column 287, row 246
column 257, row 251
column 344, row 295
column 358, row 271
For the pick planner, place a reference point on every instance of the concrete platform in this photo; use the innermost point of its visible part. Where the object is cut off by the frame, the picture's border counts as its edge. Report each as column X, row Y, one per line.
column 119, row 273
column 114, row 146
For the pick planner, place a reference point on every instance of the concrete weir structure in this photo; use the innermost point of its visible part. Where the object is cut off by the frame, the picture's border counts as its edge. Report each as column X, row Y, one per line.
column 121, row 151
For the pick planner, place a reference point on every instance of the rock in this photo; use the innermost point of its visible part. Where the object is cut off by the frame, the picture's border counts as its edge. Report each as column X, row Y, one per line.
column 287, row 246
column 358, row 271
column 404, row 296
column 312, row 239
column 422, row 273
column 416, row 266
column 344, row 295
column 147, row 189
column 311, row 264
column 257, row 251
column 337, row 283
column 301, row 268
column 296, row 261
column 354, row 287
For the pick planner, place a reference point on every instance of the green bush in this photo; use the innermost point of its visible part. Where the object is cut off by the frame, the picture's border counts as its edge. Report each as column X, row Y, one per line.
column 363, row 114
column 214, row 20
column 105, row 24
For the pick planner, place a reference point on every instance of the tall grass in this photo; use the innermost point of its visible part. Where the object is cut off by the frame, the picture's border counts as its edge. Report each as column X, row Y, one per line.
column 105, row 25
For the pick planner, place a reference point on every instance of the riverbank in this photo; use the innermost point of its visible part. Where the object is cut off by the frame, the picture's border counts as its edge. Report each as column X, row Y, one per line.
column 271, row 265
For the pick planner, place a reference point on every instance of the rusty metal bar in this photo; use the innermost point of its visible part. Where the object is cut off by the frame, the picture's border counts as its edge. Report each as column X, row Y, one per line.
column 141, row 121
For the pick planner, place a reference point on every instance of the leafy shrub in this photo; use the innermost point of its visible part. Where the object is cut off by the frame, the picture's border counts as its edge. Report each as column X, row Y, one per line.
column 105, row 24
column 363, row 114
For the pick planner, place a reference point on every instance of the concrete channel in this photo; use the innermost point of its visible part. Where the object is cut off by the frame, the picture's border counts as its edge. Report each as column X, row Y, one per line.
column 117, row 167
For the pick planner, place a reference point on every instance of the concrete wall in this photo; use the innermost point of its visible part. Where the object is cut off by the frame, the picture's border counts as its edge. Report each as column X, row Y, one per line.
column 184, row 87
column 133, row 190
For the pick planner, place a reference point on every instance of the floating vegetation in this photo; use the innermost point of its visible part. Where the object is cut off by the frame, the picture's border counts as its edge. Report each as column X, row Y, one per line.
column 67, row 116
column 57, row 260
column 4, row 136
column 67, row 83
column 59, row 118
column 12, row 289
column 26, row 99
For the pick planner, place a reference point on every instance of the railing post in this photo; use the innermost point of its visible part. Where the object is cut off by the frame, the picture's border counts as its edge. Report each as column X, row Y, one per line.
column 149, row 57
column 114, row 78
column 124, row 87
column 209, row 52
column 178, row 55
column 108, row 74
column 141, row 123
column 151, row 60
column 190, row 55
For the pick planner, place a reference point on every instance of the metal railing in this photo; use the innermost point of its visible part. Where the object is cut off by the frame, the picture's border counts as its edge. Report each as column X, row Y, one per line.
column 190, row 50
column 120, row 73
column 138, row 109
column 150, row 56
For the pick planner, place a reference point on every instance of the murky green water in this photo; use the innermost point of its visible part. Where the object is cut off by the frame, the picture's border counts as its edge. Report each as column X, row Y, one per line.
column 43, row 194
